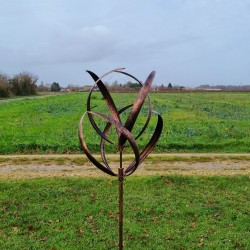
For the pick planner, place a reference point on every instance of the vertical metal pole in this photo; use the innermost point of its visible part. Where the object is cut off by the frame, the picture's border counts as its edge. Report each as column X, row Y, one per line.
column 121, row 177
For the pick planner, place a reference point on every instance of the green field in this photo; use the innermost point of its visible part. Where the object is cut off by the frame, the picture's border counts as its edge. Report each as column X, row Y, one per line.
column 161, row 212
column 193, row 122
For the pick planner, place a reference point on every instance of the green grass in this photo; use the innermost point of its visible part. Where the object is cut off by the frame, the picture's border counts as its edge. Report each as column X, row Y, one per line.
column 161, row 212
column 193, row 122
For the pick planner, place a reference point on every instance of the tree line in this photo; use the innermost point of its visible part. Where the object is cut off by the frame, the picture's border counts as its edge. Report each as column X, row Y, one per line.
column 22, row 84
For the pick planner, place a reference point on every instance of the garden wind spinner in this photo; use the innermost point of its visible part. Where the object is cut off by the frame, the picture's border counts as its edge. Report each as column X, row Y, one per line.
column 123, row 131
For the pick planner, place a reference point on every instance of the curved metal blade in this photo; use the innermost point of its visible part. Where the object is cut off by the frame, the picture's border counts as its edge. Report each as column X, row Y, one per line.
column 149, row 104
column 137, row 105
column 107, row 98
column 89, row 154
column 155, row 137
column 125, row 133
column 105, row 131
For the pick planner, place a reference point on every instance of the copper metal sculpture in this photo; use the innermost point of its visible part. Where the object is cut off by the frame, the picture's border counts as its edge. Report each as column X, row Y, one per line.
column 123, row 131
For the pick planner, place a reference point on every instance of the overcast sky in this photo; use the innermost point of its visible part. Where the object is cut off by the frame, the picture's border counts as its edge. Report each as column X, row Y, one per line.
column 187, row 42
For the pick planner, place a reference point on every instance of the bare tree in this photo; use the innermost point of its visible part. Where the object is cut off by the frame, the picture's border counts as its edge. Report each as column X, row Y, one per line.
column 4, row 85
column 24, row 84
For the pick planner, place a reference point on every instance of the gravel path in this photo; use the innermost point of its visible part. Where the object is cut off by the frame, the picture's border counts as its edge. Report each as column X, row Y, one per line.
column 36, row 166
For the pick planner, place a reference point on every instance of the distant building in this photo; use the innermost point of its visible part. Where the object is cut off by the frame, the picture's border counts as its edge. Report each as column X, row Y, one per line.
column 86, row 88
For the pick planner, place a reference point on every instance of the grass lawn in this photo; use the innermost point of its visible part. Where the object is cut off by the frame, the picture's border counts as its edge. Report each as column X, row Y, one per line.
column 161, row 212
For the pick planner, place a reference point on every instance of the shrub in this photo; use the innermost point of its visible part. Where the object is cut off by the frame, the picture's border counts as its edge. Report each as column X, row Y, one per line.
column 24, row 84
column 4, row 86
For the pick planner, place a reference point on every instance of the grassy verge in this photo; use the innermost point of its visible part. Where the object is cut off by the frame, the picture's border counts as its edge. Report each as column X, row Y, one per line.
column 161, row 212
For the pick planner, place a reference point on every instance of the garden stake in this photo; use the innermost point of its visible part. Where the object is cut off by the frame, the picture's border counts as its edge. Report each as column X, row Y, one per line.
column 124, row 132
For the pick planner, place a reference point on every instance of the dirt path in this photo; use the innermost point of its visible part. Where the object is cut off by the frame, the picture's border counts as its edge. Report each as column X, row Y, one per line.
column 35, row 166
column 27, row 98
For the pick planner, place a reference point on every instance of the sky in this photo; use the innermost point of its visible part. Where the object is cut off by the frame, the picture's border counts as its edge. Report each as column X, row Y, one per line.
column 187, row 42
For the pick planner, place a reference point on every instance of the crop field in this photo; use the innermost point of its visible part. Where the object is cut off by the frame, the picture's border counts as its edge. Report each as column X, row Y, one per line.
column 193, row 122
